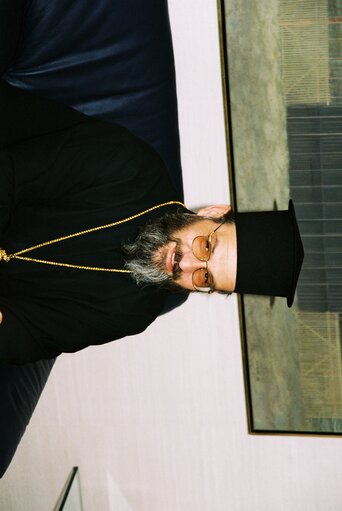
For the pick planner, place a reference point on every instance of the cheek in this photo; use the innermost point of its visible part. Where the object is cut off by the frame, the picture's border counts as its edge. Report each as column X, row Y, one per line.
column 185, row 281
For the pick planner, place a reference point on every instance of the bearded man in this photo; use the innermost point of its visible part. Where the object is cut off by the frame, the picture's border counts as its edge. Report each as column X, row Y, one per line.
column 93, row 234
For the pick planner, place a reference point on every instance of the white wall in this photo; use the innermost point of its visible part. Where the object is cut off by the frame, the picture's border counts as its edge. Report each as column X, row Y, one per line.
column 158, row 422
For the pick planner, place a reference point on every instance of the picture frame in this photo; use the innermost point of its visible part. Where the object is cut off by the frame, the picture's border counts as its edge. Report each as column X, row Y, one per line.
column 282, row 85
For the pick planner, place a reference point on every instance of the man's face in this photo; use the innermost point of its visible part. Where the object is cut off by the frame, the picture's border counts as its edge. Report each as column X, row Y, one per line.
column 177, row 259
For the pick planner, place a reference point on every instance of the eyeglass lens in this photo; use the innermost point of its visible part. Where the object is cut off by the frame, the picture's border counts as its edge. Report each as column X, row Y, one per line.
column 201, row 247
column 202, row 278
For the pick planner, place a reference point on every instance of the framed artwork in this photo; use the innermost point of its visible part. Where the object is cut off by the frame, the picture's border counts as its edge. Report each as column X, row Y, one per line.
column 70, row 498
column 282, row 62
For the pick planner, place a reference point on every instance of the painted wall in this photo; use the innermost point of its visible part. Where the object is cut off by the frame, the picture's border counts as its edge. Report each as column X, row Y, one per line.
column 158, row 422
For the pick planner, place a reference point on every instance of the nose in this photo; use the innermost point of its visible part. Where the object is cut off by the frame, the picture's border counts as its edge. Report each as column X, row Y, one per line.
column 189, row 263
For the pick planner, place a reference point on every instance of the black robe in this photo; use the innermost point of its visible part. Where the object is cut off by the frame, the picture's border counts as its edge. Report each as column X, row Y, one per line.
column 62, row 172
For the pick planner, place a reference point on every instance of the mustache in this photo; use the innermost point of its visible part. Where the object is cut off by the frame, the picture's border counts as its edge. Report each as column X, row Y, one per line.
column 176, row 270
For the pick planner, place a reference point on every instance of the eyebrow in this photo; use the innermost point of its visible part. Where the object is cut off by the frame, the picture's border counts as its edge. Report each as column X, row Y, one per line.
column 213, row 250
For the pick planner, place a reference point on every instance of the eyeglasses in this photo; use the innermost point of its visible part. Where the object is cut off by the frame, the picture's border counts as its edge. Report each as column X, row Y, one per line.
column 202, row 247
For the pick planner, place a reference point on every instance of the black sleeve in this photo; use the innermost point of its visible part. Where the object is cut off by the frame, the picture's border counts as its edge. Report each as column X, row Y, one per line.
column 12, row 18
column 24, row 115
column 17, row 345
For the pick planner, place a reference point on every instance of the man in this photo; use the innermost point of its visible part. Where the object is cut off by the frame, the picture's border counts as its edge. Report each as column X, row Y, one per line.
column 256, row 253
column 85, row 206
column 175, row 250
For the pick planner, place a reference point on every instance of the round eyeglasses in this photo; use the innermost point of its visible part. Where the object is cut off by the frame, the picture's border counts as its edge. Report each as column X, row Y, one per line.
column 202, row 247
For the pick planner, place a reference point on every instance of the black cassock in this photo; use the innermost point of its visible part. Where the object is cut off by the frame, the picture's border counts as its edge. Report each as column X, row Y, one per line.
column 62, row 172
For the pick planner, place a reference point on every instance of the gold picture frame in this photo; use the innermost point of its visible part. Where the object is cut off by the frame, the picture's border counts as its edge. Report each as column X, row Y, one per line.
column 282, row 86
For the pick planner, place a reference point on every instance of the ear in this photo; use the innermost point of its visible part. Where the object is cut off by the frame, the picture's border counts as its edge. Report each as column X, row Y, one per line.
column 214, row 211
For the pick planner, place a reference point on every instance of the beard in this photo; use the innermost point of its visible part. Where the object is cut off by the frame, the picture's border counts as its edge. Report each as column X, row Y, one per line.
column 143, row 254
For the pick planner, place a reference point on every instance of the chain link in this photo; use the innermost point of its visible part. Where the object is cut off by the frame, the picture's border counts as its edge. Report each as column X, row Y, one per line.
column 18, row 255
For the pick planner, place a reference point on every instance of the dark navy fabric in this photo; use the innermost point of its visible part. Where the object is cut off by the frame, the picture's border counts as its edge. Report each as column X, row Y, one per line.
column 20, row 389
column 109, row 59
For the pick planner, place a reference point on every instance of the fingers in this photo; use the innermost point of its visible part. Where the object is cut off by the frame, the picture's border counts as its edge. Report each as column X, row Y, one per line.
column 0, row 317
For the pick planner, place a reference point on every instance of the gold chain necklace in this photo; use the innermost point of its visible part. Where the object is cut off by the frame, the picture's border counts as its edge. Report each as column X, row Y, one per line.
column 18, row 255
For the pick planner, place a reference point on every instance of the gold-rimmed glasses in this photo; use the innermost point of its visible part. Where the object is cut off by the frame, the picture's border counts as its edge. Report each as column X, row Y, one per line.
column 202, row 247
